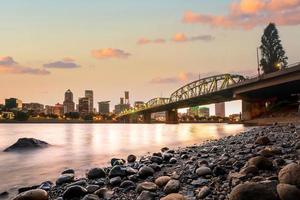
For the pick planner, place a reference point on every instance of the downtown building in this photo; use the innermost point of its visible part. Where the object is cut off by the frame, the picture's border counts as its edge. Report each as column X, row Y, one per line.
column 103, row 107
column 89, row 94
column 69, row 105
column 13, row 104
column 220, row 109
column 84, row 106
column 35, row 108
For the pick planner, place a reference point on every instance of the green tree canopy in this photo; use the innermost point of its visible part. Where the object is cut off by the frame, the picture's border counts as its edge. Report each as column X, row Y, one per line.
column 272, row 52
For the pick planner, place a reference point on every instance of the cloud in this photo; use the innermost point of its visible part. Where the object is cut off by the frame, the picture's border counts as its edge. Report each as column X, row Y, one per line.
column 247, row 14
column 8, row 65
column 181, row 37
column 144, row 41
column 180, row 78
column 66, row 63
column 109, row 53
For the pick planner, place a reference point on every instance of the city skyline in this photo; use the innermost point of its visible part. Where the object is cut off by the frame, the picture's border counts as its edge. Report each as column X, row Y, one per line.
column 151, row 56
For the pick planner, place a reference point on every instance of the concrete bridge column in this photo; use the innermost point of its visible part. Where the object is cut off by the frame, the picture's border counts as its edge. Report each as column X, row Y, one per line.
column 172, row 116
column 147, row 118
column 252, row 109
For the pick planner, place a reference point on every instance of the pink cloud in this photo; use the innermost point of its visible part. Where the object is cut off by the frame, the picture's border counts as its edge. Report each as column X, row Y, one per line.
column 8, row 65
column 180, row 78
column 109, row 53
column 181, row 37
column 144, row 41
column 65, row 63
column 248, row 14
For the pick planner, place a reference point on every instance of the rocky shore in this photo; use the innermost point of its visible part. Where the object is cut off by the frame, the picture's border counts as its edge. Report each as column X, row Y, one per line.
column 260, row 164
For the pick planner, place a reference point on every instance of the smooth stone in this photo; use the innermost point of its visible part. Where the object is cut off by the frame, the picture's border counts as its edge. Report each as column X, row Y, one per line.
column 146, row 171
column 173, row 160
column 162, row 181
column 174, row 196
column 131, row 171
column 249, row 170
column 149, row 186
column 127, row 184
column 117, row 171
column 4, row 194
column 75, row 191
column 115, row 181
column 203, row 171
column 96, row 173
column 172, row 186
column 65, row 178
column 117, row 161
column 92, row 188
column 253, row 191
column 288, row 192
column 156, row 159
column 131, row 158
column 147, row 195
column 204, row 192
column 36, row 194
column 261, row 163
column 90, row 197
column 167, row 156
column 290, row 174
column 68, row 171
column 262, row 140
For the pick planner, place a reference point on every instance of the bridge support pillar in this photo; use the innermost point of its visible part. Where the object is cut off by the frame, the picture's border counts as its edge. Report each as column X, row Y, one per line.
column 172, row 116
column 147, row 118
column 253, row 109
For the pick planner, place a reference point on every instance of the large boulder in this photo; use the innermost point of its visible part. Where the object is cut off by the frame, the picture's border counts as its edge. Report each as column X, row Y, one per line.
column 74, row 192
column 288, row 192
column 172, row 186
column 27, row 144
column 290, row 174
column 95, row 173
column 261, row 163
column 254, row 191
column 37, row 194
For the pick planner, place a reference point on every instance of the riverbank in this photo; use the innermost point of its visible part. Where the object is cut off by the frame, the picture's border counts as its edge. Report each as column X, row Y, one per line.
column 217, row 169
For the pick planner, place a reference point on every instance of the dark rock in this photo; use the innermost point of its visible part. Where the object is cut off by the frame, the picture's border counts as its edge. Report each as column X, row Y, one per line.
column 131, row 158
column 261, row 163
column 147, row 195
column 46, row 185
column 27, row 143
column 92, row 188
column 24, row 189
column 167, row 156
column 4, row 194
column 68, row 171
column 65, row 178
column 117, row 171
column 290, row 174
column 117, row 161
column 74, row 192
column 219, row 171
column 156, row 159
column 146, row 171
column 91, row 197
column 173, row 160
column 115, row 181
column 288, row 192
column 262, row 140
column 36, row 194
column 174, row 196
column 95, row 173
column 254, row 191
column 127, row 184
column 172, row 186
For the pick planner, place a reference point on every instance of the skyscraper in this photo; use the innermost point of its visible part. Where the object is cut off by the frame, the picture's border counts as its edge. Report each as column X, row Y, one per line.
column 84, row 106
column 69, row 105
column 103, row 107
column 90, row 95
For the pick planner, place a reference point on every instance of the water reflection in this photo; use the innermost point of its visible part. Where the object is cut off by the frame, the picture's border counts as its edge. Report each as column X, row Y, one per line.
column 82, row 146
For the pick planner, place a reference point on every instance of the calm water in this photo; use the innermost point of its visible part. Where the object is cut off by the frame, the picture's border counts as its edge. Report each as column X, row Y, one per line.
column 82, row 146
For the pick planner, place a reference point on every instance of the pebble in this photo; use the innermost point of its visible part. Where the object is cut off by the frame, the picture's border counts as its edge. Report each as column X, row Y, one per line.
column 174, row 196
column 149, row 186
column 36, row 194
column 202, row 171
column 74, row 192
column 146, row 171
column 162, row 181
column 65, row 178
column 172, row 186
column 95, row 173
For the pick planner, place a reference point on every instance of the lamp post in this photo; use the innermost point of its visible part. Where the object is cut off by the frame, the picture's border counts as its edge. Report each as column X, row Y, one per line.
column 258, row 65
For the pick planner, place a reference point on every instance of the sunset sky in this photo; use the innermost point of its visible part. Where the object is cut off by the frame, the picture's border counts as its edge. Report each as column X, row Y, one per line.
column 149, row 48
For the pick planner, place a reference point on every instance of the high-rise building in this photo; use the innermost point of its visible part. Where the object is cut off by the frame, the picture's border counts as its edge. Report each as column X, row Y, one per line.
column 220, row 109
column 103, row 107
column 84, row 106
column 69, row 105
column 90, row 95
column 13, row 103
column 127, row 97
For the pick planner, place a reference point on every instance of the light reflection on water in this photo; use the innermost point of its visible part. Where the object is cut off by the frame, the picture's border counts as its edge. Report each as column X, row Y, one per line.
column 82, row 146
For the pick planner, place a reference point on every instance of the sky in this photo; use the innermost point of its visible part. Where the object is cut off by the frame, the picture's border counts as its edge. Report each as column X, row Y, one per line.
column 150, row 48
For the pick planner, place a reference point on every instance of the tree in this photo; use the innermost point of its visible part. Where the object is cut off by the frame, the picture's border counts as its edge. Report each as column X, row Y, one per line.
column 21, row 116
column 272, row 52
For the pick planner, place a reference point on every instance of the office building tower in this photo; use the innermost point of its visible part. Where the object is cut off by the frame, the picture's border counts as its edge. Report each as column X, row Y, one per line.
column 69, row 105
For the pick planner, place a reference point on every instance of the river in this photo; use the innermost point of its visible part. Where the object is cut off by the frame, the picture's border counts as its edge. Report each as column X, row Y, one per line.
column 83, row 146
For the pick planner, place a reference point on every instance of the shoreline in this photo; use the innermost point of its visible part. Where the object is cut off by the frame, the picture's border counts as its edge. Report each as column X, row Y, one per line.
column 213, row 169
